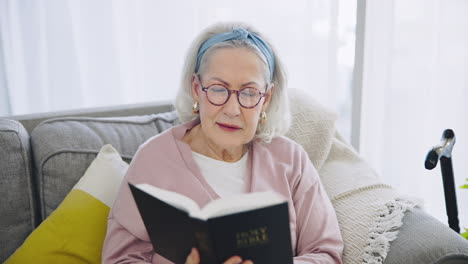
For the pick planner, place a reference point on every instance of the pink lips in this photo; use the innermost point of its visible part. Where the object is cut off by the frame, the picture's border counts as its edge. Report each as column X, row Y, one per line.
column 227, row 127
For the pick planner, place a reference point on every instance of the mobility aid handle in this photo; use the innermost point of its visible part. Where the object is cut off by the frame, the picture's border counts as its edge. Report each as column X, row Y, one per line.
column 443, row 151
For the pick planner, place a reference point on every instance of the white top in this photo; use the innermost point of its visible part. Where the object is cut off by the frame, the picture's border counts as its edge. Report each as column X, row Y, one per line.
column 226, row 178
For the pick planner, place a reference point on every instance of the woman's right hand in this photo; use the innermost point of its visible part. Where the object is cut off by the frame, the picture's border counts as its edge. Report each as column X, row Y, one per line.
column 194, row 258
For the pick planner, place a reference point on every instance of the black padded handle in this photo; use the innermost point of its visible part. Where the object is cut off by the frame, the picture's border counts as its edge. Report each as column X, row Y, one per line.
column 444, row 149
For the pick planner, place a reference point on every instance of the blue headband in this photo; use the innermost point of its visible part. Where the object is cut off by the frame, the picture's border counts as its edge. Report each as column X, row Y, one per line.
column 238, row 33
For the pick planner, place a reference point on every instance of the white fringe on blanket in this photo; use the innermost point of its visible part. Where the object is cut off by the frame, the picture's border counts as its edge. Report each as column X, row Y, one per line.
column 385, row 230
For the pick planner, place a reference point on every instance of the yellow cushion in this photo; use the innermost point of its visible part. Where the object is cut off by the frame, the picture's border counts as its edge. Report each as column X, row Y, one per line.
column 75, row 231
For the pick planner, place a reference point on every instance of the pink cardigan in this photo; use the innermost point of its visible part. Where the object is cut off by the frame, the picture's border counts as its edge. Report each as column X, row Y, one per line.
column 166, row 161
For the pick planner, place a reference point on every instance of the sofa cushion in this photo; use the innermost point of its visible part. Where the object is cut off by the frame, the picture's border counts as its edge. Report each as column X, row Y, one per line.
column 423, row 239
column 17, row 209
column 75, row 231
column 64, row 147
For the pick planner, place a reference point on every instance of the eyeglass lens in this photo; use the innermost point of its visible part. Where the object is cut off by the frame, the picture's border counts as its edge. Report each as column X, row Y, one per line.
column 248, row 97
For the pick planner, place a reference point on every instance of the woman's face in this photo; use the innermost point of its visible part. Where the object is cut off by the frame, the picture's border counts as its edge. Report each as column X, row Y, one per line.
column 231, row 125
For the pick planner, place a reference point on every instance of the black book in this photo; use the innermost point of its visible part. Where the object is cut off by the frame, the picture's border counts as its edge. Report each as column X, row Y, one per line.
column 253, row 226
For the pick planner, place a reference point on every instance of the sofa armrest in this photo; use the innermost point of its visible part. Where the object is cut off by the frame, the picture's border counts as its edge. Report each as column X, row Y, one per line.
column 423, row 239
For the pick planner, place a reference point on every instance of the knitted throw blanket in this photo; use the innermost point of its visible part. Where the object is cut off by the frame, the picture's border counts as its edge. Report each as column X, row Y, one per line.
column 369, row 211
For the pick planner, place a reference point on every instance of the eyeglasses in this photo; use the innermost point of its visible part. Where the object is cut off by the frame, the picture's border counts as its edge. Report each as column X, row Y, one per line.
column 218, row 95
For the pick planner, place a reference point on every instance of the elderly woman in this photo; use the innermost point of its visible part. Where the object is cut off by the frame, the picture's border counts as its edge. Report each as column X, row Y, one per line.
column 233, row 105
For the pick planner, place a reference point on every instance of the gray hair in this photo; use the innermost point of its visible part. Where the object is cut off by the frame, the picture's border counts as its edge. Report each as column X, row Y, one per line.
column 279, row 117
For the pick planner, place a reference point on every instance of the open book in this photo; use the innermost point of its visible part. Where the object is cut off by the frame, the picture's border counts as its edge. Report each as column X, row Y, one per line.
column 254, row 226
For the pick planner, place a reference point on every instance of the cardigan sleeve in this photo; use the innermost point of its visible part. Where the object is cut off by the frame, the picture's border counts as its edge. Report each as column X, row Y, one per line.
column 318, row 234
column 126, row 239
column 122, row 247
column 156, row 162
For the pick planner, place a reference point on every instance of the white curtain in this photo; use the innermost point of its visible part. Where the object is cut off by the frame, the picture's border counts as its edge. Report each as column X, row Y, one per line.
column 4, row 96
column 85, row 53
column 415, row 85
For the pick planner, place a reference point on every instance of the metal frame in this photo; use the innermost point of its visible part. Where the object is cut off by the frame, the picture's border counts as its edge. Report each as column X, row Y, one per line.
column 358, row 74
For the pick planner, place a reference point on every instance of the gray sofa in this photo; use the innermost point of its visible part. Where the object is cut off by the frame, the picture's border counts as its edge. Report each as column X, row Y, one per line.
column 42, row 156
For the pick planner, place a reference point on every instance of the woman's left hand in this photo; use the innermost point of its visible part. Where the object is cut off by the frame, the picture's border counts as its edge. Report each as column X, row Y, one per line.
column 194, row 258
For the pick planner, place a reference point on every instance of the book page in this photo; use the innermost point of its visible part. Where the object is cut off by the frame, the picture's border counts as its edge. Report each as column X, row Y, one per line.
column 177, row 200
column 239, row 203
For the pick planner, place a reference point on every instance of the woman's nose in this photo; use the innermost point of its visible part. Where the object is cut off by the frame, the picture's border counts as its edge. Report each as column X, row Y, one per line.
column 232, row 106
